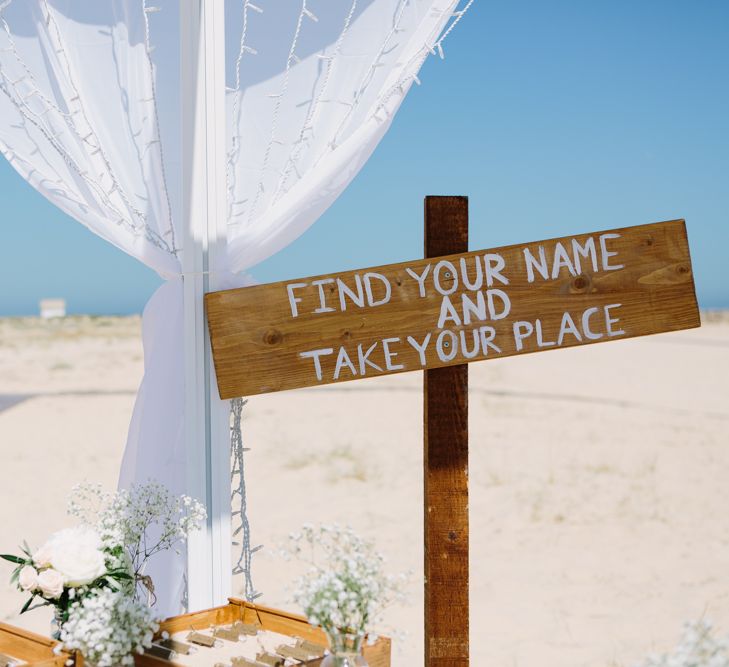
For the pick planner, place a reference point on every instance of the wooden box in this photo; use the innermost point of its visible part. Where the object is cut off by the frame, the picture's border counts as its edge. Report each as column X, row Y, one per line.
column 267, row 619
column 28, row 648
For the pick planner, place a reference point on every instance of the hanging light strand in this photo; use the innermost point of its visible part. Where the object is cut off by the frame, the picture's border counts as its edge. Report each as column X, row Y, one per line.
column 143, row 149
column 157, row 141
column 409, row 75
column 42, row 122
column 35, row 92
column 23, row 125
column 102, row 196
column 305, row 12
column 28, row 116
column 56, row 185
column 234, row 153
column 55, row 34
column 313, row 108
column 369, row 75
column 366, row 80
column 238, row 500
column 457, row 16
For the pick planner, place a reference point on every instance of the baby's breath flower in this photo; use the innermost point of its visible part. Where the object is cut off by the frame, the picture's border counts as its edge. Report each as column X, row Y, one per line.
column 108, row 627
column 137, row 523
column 698, row 648
column 344, row 587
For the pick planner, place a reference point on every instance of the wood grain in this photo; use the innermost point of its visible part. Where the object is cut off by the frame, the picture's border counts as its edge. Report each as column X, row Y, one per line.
column 31, row 648
column 257, row 343
column 445, row 470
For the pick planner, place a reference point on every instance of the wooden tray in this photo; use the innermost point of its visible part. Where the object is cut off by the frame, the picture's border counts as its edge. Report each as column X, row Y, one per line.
column 29, row 648
column 271, row 620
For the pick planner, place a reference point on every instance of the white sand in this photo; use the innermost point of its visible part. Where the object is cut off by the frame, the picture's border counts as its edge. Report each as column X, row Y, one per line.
column 598, row 480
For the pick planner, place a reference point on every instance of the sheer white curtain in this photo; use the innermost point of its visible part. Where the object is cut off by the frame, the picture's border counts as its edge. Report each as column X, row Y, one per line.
column 315, row 86
column 90, row 116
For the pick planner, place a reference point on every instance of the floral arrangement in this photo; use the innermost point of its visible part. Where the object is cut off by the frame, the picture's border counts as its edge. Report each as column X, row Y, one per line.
column 345, row 588
column 71, row 563
column 698, row 648
column 93, row 574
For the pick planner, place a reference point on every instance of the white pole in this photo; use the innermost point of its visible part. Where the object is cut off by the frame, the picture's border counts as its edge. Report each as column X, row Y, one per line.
column 207, row 437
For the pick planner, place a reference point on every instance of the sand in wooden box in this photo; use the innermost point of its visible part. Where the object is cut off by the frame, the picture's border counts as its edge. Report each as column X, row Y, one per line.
column 241, row 634
column 20, row 647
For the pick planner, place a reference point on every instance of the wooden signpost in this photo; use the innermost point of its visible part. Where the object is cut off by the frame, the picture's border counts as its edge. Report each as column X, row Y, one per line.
column 465, row 307
column 437, row 315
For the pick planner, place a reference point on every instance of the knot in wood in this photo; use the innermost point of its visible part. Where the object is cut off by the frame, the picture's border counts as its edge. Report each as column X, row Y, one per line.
column 581, row 283
column 272, row 337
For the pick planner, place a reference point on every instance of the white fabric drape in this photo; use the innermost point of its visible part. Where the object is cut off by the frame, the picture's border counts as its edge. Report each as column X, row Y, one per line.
column 89, row 115
column 338, row 76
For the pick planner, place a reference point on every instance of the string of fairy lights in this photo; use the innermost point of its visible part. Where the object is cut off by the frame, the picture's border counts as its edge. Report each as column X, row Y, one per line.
column 91, row 162
column 292, row 58
column 239, row 511
column 308, row 125
column 250, row 203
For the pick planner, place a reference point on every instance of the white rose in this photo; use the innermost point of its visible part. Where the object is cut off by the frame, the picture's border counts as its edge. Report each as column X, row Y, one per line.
column 28, row 578
column 76, row 553
column 51, row 583
column 42, row 557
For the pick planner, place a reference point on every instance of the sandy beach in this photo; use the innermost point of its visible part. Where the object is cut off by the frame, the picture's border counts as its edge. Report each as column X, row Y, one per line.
column 598, row 480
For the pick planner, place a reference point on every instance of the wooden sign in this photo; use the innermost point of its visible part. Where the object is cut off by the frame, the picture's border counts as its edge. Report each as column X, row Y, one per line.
column 450, row 310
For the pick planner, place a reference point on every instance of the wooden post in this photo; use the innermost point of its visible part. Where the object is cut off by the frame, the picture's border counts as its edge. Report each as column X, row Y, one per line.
column 445, row 471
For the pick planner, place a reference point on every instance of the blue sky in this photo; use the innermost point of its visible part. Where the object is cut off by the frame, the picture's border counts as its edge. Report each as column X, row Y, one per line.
column 553, row 117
